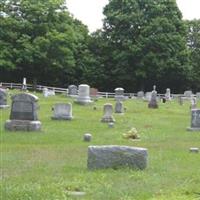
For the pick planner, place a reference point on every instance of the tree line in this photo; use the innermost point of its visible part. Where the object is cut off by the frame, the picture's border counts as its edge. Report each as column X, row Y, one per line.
column 142, row 43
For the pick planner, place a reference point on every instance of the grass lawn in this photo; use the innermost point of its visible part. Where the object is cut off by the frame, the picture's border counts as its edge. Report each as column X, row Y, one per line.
column 49, row 164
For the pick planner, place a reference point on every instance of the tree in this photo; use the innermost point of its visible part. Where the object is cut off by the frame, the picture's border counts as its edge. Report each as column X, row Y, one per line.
column 41, row 40
column 194, row 47
column 147, row 41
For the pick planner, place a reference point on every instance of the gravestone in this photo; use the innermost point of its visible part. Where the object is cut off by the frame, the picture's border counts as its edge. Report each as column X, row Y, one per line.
column 148, row 96
column 188, row 94
column 168, row 94
column 23, row 116
column 153, row 102
column 24, row 86
column 113, row 156
column 195, row 120
column 140, row 94
column 193, row 103
column 119, row 94
column 47, row 92
column 180, row 100
column 62, row 111
column 198, row 95
column 3, row 99
column 119, row 107
column 83, row 95
column 72, row 90
column 87, row 137
column 108, row 110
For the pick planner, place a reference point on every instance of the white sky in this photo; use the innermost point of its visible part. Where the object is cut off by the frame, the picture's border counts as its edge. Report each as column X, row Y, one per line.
column 90, row 11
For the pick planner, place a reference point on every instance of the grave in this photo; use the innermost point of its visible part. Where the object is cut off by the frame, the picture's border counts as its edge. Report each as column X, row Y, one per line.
column 108, row 110
column 119, row 94
column 195, row 120
column 119, row 107
column 83, row 95
column 23, row 116
column 113, row 156
column 47, row 92
column 153, row 102
column 148, row 96
column 72, row 91
column 188, row 94
column 24, row 86
column 62, row 111
column 168, row 94
column 3, row 99
column 140, row 94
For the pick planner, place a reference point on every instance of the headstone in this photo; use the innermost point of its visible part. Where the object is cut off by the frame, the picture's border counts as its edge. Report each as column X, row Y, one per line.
column 72, row 90
column 180, row 100
column 108, row 110
column 3, row 99
column 153, row 102
column 168, row 94
column 188, row 94
column 195, row 120
column 194, row 150
column 193, row 103
column 24, row 86
column 198, row 95
column 119, row 107
column 62, row 111
column 45, row 92
column 119, row 94
column 83, row 95
column 23, row 116
column 148, row 96
column 140, row 94
column 113, row 156
column 93, row 92
column 87, row 137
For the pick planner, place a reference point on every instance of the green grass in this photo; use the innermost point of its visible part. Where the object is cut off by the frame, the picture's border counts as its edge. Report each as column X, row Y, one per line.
column 48, row 164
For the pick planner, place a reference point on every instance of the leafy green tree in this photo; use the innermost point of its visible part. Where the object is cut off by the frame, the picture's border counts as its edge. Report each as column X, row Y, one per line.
column 194, row 47
column 147, row 41
column 41, row 41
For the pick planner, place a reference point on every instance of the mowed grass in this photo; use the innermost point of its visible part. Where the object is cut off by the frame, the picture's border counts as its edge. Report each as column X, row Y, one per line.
column 49, row 164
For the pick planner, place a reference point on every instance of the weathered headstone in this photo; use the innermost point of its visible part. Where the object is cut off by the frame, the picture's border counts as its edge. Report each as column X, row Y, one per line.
column 198, row 95
column 113, row 156
column 148, row 96
column 24, row 86
column 193, row 103
column 3, row 99
column 108, row 110
column 72, row 90
column 153, row 102
column 83, row 95
column 23, row 116
column 119, row 94
column 62, row 111
column 140, row 94
column 47, row 92
column 188, row 94
column 168, row 94
column 119, row 107
column 87, row 137
column 195, row 120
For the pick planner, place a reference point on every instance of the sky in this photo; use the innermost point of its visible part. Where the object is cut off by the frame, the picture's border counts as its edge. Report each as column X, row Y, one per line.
column 90, row 12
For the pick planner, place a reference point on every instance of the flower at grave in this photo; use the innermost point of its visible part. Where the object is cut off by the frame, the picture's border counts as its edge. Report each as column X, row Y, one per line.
column 131, row 134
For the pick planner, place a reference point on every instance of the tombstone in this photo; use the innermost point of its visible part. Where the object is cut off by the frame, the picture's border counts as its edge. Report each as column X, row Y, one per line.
column 72, row 90
column 180, row 100
column 23, row 116
column 62, row 111
column 188, row 94
column 93, row 92
column 148, row 96
column 193, row 103
column 168, row 94
column 87, row 137
column 83, row 95
column 194, row 150
column 195, row 120
column 119, row 107
column 3, row 99
column 108, row 110
column 119, row 94
column 153, row 102
column 51, row 93
column 198, row 95
column 24, row 86
column 113, row 156
column 45, row 92
column 140, row 94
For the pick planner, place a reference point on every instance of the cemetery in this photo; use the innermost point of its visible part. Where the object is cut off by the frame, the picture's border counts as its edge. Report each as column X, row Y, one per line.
column 81, row 157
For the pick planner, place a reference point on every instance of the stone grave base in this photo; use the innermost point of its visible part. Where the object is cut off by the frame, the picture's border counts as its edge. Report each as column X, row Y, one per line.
column 107, row 119
column 193, row 129
column 62, row 117
column 113, row 156
column 22, row 125
column 83, row 102
column 4, row 106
